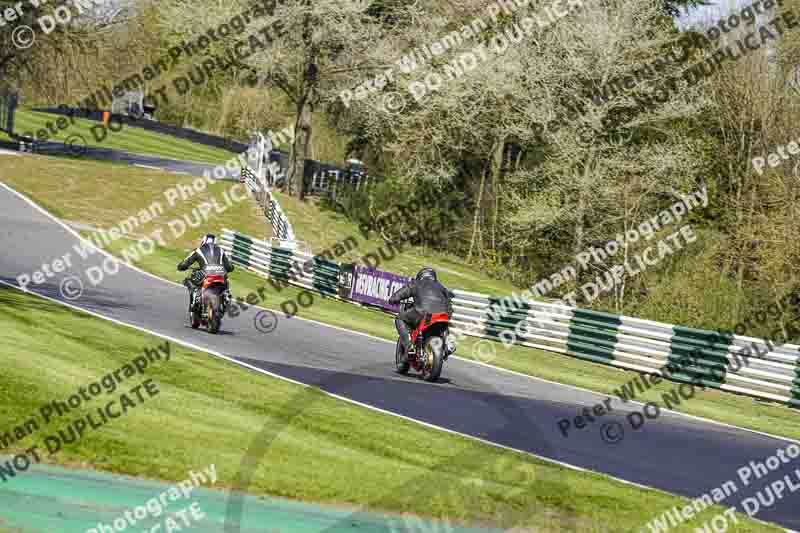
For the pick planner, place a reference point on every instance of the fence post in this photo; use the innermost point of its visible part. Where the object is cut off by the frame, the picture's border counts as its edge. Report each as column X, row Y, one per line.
column 8, row 105
column 12, row 107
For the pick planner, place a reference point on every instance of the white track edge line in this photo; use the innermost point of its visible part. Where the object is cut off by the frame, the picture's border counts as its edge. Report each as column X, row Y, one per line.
column 248, row 366
column 349, row 400
column 235, row 361
column 513, row 372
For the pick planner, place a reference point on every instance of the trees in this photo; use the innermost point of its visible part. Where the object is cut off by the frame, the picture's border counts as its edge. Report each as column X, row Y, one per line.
column 312, row 49
column 554, row 130
column 47, row 57
column 755, row 103
column 581, row 171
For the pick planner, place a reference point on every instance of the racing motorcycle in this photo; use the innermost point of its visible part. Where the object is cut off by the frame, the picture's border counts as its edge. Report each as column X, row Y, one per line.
column 208, row 304
column 433, row 343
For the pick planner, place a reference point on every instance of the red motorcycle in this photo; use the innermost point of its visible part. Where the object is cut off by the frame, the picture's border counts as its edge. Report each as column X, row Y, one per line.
column 208, row 309
column 433, row 344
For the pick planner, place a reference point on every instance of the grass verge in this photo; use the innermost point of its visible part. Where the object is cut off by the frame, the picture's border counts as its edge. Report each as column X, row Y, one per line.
column 320, row 449
column 135, row 188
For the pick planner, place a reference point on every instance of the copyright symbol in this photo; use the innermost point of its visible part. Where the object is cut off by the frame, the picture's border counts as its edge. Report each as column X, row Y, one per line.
column 393, row 102
column 612, row 432
column 266, row 321
column 485, row 351
column 71, row 287
column 18, row 39
column 76, row 144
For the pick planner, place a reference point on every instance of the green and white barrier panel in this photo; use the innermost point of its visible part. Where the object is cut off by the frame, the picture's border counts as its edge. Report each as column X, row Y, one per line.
column 281, row 227
column 287, row 265
column 254, row 175
column 733, row 363
column 250, row 180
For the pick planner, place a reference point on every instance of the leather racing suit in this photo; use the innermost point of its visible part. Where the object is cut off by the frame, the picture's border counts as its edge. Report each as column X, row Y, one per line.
column 429, row 296
column 206, row 255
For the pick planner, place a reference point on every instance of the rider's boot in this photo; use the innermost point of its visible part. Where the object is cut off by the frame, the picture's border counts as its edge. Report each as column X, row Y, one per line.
column 190, row 307
column 405, row 338
column 227, row 297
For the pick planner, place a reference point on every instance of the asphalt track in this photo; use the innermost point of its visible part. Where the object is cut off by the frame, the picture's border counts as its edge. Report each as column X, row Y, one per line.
column 675, row 453
column 78, row 148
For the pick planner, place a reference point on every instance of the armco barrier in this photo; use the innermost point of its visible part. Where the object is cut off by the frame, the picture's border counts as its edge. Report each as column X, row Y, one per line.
column 282, row 264
column 258, row 181
column 732, row 363
column 281, row 227
column 194, row 136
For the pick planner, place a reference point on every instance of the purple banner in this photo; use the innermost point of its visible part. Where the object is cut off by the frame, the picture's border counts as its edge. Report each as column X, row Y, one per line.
column 374, row 287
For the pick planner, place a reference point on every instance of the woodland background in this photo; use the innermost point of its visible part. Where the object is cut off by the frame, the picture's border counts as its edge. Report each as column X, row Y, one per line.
column 534, row 197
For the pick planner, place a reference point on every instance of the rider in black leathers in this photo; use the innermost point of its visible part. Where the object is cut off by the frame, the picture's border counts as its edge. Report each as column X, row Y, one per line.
column 429, row 296
column 209, row 253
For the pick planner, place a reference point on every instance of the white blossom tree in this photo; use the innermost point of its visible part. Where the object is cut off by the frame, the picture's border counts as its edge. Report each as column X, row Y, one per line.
column 582, row 181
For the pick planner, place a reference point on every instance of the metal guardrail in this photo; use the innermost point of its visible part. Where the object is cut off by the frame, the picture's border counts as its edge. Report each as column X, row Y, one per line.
column 731, row 363
column 280, row 223
column 258, row 182
column 249, row 178
column 206, row 139
column 292, row 266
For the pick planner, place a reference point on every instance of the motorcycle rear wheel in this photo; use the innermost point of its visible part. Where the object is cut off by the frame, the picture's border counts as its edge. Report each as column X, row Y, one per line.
column 195, row 318
column 402, row 367
column 214, row 315
column 432, row 360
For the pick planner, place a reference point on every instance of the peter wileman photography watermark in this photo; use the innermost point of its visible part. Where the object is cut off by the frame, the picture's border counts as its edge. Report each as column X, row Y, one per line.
column 157, row 506
column 23, row 36
column 695, row 367
column 71, row 287
column 613, row 432
column 776, row 158
column 752, row 471
column 593, row 257
column 102, row 97
column 468, row 60
column 630, row 85
column 81, row 427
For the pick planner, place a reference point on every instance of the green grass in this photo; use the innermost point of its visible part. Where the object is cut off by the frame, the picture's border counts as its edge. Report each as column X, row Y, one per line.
column 322, row 229
column 313, row 448
column 100, row 195
column 716, row 405
column 79, row 200
column 130, row 139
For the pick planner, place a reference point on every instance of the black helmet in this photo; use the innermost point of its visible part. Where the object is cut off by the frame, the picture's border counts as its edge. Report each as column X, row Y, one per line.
column 426, row 273
column 208, row 239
